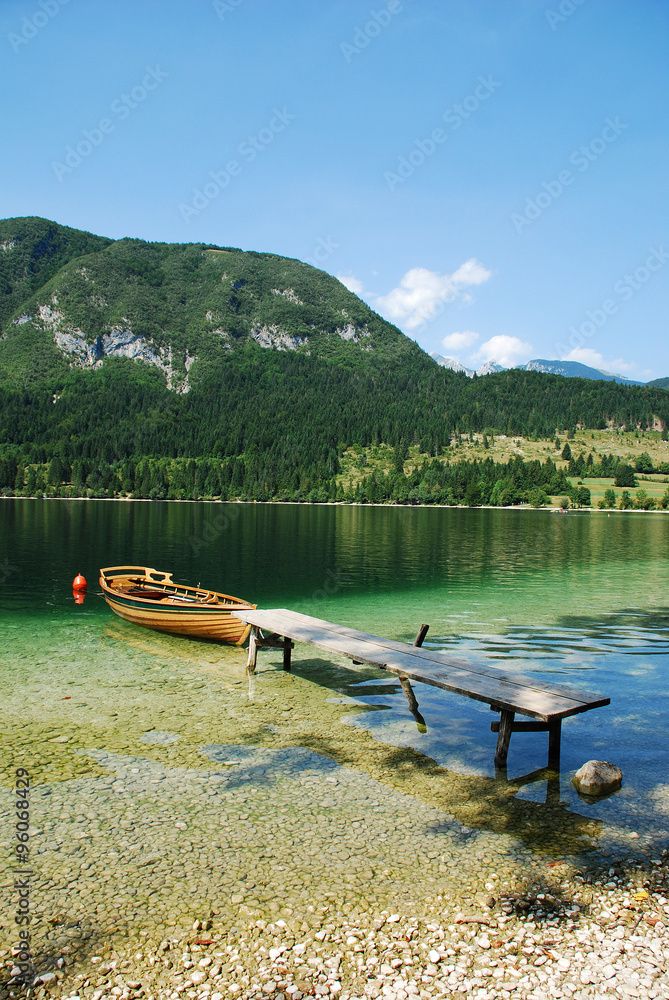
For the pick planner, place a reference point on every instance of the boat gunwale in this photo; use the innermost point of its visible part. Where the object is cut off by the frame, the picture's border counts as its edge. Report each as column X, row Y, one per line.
column 224, row 602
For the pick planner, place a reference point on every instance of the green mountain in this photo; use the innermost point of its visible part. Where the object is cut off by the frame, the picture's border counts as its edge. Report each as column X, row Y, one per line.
column 659, row 383
column 171, row 370
column 179, row 308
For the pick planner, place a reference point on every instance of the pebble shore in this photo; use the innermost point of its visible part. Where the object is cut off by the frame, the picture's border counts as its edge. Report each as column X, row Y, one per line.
column 614, row 942
column 193, row 838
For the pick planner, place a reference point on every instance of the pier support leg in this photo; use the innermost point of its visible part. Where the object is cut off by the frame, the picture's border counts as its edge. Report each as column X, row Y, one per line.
column 554, row 739
column 422, row 632
column 413, row 703
column 287, row 646
column 504, row 737
column 253, row 650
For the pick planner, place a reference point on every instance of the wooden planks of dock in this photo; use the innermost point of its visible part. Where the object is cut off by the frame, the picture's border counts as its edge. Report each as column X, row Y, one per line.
column 505, row 692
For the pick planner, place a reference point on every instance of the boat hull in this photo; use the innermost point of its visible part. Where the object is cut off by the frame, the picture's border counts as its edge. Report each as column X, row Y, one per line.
column 206, row 615
column 218, row 626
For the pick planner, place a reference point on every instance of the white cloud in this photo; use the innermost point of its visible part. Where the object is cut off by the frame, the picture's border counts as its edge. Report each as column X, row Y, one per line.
column 352, row 283
column 507, row 351
column 461, row 341
column 422, row 294
column 588, row 356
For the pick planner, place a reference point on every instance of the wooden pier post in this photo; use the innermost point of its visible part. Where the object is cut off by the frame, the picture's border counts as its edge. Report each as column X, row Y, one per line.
column 554, row 740
column 504, row 737
column 422, row 632
column 253, row 650
column 287, row 646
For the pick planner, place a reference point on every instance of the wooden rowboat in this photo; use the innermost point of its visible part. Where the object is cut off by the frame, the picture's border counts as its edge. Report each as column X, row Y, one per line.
column 147, row 597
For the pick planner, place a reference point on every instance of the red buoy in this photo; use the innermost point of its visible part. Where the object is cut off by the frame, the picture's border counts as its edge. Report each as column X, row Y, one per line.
column 79, row 583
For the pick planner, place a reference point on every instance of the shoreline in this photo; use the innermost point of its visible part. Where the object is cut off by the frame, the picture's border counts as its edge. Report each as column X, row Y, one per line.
column 343, row 503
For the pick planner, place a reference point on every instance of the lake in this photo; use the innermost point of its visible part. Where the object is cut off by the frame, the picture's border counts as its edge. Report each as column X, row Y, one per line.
column 143, row 746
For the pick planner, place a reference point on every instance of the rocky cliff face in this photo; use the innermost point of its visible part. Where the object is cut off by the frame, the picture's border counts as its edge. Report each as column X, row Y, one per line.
column 120, row 342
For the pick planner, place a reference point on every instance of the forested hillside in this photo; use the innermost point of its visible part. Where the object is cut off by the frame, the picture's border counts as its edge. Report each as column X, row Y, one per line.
column 186, row 370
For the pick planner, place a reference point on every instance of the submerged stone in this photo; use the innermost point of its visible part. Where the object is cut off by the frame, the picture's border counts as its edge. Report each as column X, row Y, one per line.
column 597, row 777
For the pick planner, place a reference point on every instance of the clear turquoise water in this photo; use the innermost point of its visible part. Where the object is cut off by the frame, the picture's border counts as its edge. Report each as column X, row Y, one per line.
column 581, row 598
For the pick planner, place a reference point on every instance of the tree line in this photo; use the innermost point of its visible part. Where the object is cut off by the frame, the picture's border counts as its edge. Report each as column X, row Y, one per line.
column 274, row 425
column 433, row 481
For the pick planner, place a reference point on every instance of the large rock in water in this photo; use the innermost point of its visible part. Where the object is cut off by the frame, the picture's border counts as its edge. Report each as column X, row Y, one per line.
column 597, row 777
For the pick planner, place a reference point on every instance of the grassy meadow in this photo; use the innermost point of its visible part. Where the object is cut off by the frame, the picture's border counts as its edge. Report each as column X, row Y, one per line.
column 358, row 463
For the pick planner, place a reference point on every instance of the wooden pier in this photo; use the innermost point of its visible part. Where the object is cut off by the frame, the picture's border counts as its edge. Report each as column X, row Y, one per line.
column 507, row 693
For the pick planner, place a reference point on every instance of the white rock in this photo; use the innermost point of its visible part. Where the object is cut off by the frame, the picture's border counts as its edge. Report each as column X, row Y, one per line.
column 434, row 957
column 597, row 777
column 198, row 977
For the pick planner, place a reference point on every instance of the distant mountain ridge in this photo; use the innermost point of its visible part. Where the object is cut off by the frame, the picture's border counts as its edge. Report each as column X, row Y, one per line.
column 489, row 368
column 568, row 369
column 574, row 369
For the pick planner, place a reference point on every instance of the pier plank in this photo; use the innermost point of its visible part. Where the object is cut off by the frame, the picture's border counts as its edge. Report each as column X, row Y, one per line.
column 506, row 691
column 444, row 658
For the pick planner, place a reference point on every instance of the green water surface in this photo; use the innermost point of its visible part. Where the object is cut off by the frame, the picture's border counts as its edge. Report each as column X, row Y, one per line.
column 580, row 598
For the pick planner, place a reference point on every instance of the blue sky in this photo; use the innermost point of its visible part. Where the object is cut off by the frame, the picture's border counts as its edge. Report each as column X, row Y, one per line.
column 488, row 174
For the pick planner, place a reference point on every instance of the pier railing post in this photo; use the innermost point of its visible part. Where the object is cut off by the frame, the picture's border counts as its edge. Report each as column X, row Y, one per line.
column 422, row 632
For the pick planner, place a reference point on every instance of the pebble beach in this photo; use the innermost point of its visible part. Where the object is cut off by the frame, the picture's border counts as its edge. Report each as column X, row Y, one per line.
column 613, row 942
